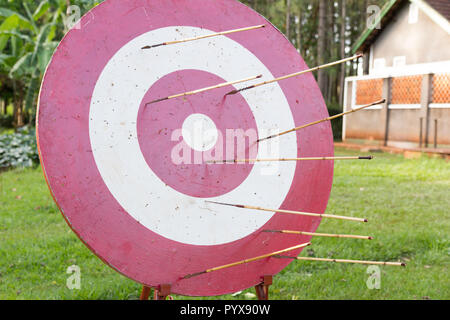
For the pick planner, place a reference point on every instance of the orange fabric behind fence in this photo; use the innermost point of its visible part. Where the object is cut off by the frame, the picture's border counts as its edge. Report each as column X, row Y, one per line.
column 441, row 88
column 406, row 90
column 368, row 91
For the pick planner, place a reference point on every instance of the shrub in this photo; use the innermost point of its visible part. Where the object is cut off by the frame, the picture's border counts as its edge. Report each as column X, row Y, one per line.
column 336, row 124
column 18, row 149
column 6, row 120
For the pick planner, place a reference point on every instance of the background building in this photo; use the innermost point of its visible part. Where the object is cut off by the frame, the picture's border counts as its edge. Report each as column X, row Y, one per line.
column 407, row 62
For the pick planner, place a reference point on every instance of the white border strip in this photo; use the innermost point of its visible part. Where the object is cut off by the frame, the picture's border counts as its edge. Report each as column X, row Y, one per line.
column 404, row 106
column 439, row 67
column 374, row 107
column 439, row 105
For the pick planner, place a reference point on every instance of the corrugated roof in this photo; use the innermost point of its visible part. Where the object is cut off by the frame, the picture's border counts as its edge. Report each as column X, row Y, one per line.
column 441, row 6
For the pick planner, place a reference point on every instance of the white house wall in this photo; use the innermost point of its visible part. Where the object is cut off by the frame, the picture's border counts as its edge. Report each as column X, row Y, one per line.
column 421, row 42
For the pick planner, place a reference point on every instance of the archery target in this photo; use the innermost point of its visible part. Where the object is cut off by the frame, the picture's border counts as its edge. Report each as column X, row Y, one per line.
column 131, row 178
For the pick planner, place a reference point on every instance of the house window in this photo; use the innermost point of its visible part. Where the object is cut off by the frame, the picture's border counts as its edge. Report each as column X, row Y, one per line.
column 413, row 13
column 379, row 63
column 399, row 61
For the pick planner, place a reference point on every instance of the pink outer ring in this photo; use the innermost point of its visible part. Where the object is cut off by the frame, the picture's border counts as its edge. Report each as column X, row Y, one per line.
column 88, row 206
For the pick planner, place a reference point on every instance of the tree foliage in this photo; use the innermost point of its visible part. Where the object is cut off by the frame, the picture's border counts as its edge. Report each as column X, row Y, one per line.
column 30, row 31
column 304, row 31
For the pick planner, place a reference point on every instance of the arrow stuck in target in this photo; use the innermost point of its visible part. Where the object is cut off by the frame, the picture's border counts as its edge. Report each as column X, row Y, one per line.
column 321, row 215
column 297, row 74
column 316, row 234
column 323, row 120
column 217, row 86
column 205, row 36
column 268, row 255
column 291, row 159
column 384, row 263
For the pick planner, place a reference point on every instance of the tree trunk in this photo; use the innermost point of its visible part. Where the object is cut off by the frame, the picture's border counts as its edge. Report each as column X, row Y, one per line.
column 288, row 18
column 332, row 53
column 321, row 77
column 18, row 112
column 342, row 43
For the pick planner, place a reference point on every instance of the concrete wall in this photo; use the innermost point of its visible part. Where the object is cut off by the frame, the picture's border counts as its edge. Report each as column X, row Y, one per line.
column 388, row 125
column 404, row 125
column 421, row 42
column 443, row 125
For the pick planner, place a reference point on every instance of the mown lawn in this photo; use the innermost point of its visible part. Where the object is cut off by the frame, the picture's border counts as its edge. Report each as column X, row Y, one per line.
column 407, row 203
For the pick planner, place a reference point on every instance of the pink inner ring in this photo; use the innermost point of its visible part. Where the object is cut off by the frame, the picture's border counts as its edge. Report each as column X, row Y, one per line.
column 159, row 133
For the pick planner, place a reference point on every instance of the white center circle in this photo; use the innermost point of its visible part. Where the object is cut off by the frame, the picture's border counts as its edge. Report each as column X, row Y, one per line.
column 199, row 132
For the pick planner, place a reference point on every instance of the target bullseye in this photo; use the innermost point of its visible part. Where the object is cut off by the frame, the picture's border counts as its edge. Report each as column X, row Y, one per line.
column 199, row 132
column 131, row 178
column 169, row 131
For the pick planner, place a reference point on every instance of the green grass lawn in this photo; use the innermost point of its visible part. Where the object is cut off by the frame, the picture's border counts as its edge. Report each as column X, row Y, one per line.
column 407, row 203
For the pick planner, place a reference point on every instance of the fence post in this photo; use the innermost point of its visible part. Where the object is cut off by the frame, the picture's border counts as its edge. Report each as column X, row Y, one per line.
column 421, row 132
column 385, row 109
column 424, row 105
column 435, row 132
column 347, row 105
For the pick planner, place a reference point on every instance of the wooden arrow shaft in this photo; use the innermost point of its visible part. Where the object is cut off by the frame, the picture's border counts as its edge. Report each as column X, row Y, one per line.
column 323, row 120
column 297, row 73
column 217, row 86
column 293, row 159
column 248, row 260
column 398, row 264
column 316, row 234
column 322, row 215
column 205, row 36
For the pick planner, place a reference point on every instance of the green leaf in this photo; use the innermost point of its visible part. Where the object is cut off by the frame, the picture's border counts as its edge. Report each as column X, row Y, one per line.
column 42, row 37
column 16, row 34
column 23, row 22
column 56, row 24
column 31, row 92
column 8, row 25
column 21, row 66
column 17, row 43
column 41, row 10
column 30, row 16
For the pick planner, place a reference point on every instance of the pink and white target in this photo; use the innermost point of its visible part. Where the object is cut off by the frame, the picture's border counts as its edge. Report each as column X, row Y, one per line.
column 129, row 177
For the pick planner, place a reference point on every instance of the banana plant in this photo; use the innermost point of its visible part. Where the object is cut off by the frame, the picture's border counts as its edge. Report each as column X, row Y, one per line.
column 27, row 42
column 29, row 33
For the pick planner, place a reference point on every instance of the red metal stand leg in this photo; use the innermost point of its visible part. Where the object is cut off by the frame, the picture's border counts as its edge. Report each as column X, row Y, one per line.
column 162, row 292
column 145, row 293
column 262, row 289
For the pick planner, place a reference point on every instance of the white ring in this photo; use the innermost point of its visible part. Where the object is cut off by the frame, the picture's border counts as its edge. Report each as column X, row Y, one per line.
column 113, row 133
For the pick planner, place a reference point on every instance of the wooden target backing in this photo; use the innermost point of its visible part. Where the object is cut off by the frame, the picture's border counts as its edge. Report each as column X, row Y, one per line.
column 108, row 156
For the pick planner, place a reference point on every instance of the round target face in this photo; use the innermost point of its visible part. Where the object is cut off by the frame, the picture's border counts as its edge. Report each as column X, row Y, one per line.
column 132, row 178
